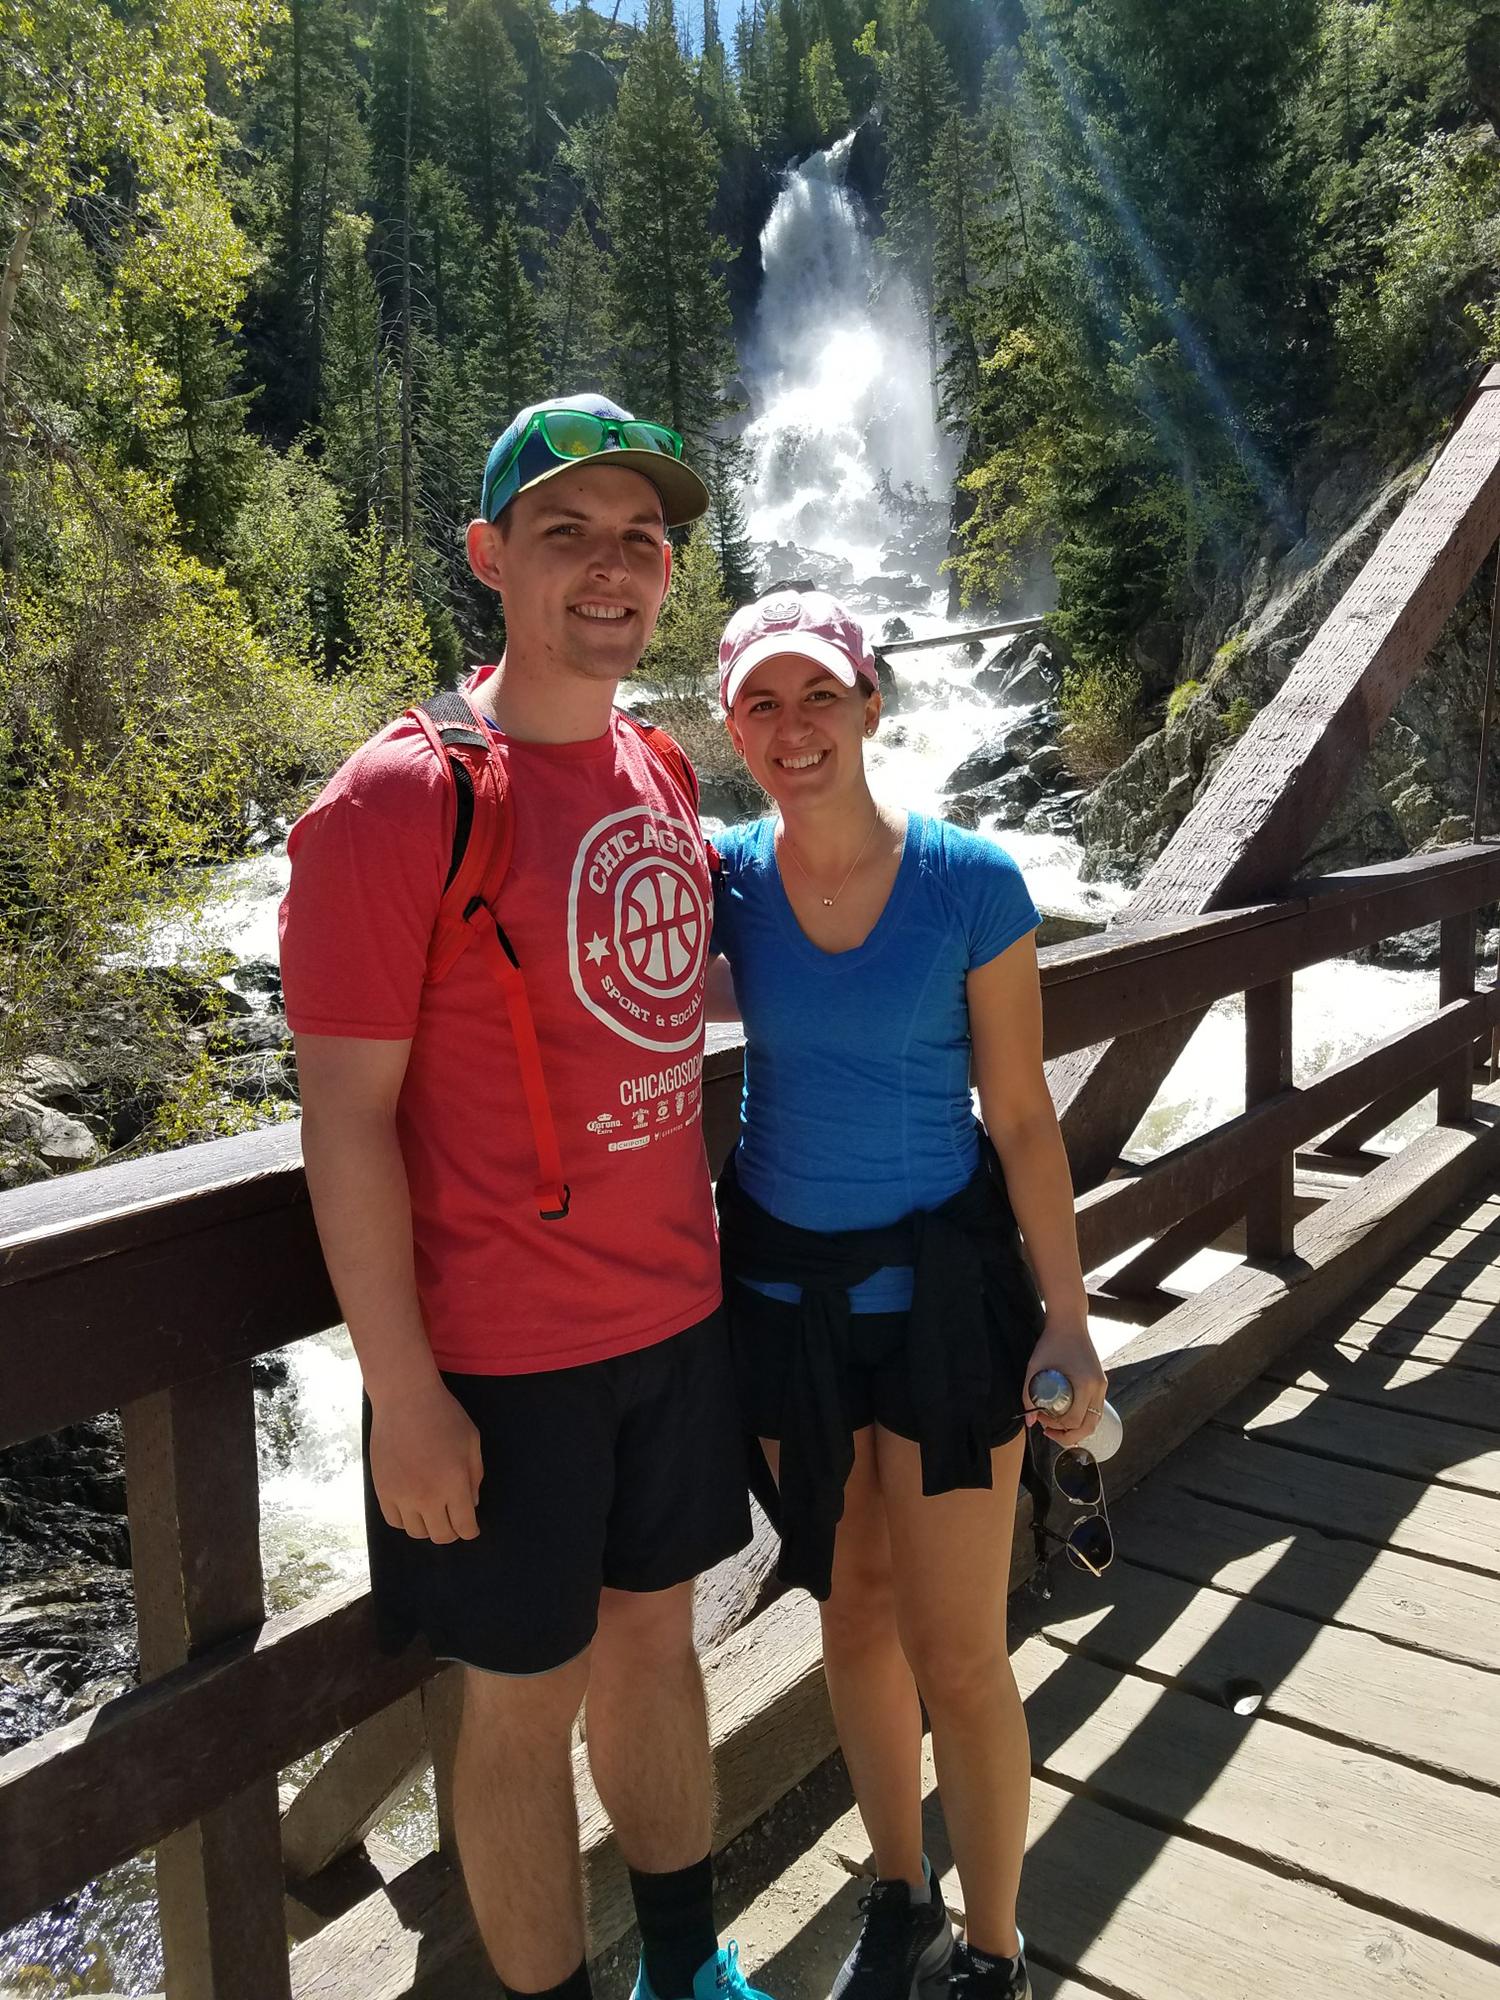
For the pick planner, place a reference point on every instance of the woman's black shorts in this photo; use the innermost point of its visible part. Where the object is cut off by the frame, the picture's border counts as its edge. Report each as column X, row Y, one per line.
column 627, row 1473
column 879, row 1381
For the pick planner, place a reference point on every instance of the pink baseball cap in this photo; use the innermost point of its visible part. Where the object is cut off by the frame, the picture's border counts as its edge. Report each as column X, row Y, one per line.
column 808, row 623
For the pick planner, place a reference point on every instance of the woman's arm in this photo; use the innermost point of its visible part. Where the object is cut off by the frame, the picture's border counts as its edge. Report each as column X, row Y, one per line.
column 719, row 1002
column 1005, row 1022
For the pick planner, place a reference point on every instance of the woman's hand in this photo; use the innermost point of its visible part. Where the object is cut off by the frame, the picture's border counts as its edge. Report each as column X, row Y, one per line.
column 1069, row 1349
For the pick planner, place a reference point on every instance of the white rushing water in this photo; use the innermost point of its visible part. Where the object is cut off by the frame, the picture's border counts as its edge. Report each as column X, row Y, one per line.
column 843, row 421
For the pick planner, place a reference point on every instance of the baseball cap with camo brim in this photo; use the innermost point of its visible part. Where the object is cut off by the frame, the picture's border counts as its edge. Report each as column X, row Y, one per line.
column 506, row 473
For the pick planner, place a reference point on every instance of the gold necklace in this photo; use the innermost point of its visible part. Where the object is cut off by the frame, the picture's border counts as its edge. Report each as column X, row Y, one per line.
column 829, row 901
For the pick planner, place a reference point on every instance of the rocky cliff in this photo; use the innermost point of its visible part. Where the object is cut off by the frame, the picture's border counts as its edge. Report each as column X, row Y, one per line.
column 1415, row 790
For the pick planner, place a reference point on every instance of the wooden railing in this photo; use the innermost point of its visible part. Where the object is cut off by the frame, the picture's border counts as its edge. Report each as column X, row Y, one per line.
column 150, row 1287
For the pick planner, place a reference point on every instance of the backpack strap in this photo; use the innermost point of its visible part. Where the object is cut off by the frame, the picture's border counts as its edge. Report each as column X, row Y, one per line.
column 483, row 838
column 678, row 766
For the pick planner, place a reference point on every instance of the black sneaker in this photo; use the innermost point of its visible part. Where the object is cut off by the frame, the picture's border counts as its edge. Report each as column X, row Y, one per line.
column 977, row 1976
column 901, row 1946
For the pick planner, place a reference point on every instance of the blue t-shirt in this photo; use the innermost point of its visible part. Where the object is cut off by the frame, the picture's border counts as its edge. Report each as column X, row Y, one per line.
column 856, row 1107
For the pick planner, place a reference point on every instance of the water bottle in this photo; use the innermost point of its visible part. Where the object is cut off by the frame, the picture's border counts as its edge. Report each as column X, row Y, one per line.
column 1052, row 1392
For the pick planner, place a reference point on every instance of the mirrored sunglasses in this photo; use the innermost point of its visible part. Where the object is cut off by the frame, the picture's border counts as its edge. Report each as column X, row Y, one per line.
column 566, row 435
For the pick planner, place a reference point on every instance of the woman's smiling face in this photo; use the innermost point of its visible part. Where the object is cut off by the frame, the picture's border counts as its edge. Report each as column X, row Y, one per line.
column 799, row 729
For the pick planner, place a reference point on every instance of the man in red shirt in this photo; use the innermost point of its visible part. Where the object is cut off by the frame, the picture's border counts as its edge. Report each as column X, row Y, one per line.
column 551, row 1451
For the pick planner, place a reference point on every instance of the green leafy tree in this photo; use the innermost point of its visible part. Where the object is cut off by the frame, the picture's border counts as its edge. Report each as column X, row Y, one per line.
column 389, row 663
column 685, row 645
column 671, row 309
column 286, row 554
column 824, row 90
column 89, row 93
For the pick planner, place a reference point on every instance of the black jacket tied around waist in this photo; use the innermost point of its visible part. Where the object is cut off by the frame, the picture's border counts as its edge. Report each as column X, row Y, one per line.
column 968, row 1275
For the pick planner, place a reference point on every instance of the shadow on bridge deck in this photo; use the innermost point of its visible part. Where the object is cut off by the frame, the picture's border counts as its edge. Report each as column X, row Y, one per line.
column 1333, row 1537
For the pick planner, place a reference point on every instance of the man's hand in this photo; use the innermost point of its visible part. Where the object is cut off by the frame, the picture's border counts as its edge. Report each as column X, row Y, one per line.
column 426, row 1464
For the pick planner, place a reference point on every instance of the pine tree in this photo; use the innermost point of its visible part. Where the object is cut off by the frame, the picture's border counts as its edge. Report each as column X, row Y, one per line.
column 448, row 256
column 726, row 467
column 484, row 111
column 359, row 399
column 575, row 312
column 536, row 34
column 671, row 309
column 509, row 371
column 402, row 128
column 307, row 127
column 916, row 90
column 961, row 202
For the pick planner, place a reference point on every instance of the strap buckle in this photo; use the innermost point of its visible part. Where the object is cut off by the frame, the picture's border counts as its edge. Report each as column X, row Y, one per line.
column 554, row 1194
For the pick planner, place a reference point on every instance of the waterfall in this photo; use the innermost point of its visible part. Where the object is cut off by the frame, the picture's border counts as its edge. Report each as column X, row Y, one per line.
column 847, row 456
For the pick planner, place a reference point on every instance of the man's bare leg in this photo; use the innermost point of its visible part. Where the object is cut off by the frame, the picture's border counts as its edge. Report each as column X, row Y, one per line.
column 517, row 1821
column 648, row 1728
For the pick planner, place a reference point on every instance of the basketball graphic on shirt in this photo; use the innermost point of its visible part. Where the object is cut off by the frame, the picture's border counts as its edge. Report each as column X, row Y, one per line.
column 659, row 920
column 638, row 924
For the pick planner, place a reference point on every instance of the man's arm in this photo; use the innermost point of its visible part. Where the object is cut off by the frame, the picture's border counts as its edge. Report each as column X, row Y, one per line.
column 424, row 1451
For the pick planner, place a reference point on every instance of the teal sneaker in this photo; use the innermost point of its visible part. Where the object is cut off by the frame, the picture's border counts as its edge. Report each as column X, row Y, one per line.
column 717, row 1978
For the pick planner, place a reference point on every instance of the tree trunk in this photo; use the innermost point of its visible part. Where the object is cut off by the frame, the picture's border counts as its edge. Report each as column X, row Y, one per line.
column 10, row 285
column 314, row 390
column 295, row 191
column 406, row 367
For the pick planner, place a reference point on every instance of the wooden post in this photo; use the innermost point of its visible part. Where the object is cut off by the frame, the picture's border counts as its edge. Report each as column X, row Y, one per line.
column 1269, row 1213
column 193, row 1492
column 1456, row 982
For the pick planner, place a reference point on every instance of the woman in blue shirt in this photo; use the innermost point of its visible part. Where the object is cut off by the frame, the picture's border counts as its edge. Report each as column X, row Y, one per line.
column 885, row 1324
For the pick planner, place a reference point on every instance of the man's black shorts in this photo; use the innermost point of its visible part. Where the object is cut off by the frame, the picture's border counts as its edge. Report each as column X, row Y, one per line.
column 628, row 1473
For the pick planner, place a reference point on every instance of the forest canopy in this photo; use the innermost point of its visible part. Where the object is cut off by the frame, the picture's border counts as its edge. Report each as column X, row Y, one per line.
column 277, row 271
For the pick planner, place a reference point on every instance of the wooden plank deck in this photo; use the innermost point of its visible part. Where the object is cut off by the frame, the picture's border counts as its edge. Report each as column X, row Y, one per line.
column 1333, row 1537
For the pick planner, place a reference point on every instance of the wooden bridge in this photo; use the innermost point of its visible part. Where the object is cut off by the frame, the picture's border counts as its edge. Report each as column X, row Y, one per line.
column 1319, row 1426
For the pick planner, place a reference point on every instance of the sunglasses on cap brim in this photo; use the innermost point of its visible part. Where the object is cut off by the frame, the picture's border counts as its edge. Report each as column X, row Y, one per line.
column 566, row 436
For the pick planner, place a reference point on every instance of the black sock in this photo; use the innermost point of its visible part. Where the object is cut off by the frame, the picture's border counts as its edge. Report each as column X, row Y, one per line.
column 676, row 1915
column 575, row 1987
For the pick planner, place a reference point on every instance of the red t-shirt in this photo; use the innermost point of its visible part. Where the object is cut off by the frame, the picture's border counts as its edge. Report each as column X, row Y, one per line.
column 607, row 905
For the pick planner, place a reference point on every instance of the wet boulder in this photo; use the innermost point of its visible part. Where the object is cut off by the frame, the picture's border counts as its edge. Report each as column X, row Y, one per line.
column 991, row 756
column 1036, row 678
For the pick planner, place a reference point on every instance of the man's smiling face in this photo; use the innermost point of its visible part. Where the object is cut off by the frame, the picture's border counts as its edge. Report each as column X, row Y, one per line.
column 582, row 563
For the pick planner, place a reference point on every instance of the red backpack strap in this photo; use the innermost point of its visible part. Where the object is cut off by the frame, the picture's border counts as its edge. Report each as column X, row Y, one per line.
column 670, row 754
column 676, row 762
column 483, row 838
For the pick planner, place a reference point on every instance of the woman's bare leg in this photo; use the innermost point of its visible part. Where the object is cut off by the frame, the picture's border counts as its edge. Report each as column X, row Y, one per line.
column 950, row 1561
column 870, row 1684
